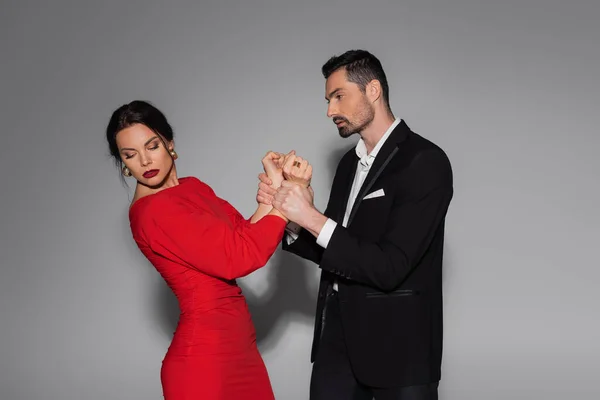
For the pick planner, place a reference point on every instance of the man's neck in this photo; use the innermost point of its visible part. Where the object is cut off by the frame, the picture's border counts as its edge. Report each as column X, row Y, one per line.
column 375, row 131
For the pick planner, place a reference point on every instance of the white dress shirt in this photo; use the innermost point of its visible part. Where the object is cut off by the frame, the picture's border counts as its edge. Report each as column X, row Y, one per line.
column 362, row 169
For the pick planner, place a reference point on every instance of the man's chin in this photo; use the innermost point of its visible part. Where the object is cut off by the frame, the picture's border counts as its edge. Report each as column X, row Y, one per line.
column 345, row 133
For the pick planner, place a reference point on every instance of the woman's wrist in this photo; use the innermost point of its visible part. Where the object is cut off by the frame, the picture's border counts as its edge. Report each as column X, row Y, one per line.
column 276, row 212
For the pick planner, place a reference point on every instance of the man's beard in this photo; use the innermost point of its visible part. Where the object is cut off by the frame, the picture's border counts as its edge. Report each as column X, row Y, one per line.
column 365, row 117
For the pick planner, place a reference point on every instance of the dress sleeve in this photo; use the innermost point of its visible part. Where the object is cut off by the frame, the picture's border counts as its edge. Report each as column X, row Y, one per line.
column 206, row 243
column 234, row 215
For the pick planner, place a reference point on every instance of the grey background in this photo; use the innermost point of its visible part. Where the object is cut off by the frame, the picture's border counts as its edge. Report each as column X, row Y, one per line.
column 507, row 88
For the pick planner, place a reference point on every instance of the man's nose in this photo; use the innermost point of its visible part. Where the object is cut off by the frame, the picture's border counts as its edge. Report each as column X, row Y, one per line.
column 331, row 111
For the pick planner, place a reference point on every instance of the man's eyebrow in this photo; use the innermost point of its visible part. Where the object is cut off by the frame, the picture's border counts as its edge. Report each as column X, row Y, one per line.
column 333, row 92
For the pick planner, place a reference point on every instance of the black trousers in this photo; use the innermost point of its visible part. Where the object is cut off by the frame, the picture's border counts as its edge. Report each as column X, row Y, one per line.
column 332, row 377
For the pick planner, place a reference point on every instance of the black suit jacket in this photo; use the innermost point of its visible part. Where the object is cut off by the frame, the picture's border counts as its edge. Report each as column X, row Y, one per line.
column 388, row 261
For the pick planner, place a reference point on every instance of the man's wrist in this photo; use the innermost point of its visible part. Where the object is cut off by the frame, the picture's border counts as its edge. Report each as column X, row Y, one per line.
column 314, row 221
column 326, row 233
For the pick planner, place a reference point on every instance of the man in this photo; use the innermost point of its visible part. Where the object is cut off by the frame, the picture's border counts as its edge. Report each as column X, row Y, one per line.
column 379, row 243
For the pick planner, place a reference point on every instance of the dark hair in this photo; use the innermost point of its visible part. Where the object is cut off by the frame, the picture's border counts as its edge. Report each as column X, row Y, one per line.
column 136, row 112
column 361, row 68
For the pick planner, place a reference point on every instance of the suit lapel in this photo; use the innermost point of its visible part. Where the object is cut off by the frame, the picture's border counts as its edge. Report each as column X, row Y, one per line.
column 385, row 155
column 347, row 186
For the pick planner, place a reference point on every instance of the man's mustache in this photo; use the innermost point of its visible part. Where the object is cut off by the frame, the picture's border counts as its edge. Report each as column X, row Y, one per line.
column 339, row 119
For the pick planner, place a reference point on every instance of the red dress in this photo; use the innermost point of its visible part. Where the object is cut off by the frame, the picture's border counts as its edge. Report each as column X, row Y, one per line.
column 200, row 244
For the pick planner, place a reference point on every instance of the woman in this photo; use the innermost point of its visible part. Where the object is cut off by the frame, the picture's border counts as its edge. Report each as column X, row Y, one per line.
column 199, row 244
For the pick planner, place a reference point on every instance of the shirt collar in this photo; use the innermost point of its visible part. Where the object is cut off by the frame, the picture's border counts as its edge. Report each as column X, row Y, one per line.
column 361, row 148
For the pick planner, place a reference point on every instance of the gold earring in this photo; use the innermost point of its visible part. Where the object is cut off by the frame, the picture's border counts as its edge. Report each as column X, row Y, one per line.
column 126, row 171
column 174, row 155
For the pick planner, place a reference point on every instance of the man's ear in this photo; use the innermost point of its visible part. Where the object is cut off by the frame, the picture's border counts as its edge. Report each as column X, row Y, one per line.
column 373, row 90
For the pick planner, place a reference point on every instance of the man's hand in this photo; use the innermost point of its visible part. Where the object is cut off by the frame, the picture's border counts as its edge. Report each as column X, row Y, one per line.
column 295, row 202
column 266, row 193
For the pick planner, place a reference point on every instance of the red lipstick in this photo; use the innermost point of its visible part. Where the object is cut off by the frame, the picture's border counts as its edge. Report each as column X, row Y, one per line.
column 150, row 174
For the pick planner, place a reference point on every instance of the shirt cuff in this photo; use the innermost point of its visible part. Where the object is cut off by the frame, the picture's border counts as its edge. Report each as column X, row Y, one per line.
column 292, row 231
column 290, row 237
column 326, row 233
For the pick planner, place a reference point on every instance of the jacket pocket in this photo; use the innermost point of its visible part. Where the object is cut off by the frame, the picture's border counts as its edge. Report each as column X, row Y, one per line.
column 395, row 293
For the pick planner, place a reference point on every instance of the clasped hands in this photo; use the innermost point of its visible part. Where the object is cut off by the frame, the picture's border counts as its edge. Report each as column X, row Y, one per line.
column 285, row 184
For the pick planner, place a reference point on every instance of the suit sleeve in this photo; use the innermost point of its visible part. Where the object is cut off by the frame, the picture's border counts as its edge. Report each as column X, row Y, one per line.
column 415, row 217
column 304, row 246
column 209, row 244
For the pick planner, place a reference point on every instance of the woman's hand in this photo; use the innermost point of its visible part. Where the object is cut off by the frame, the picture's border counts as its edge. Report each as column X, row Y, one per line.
column 272, row 163
column 297, row 170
